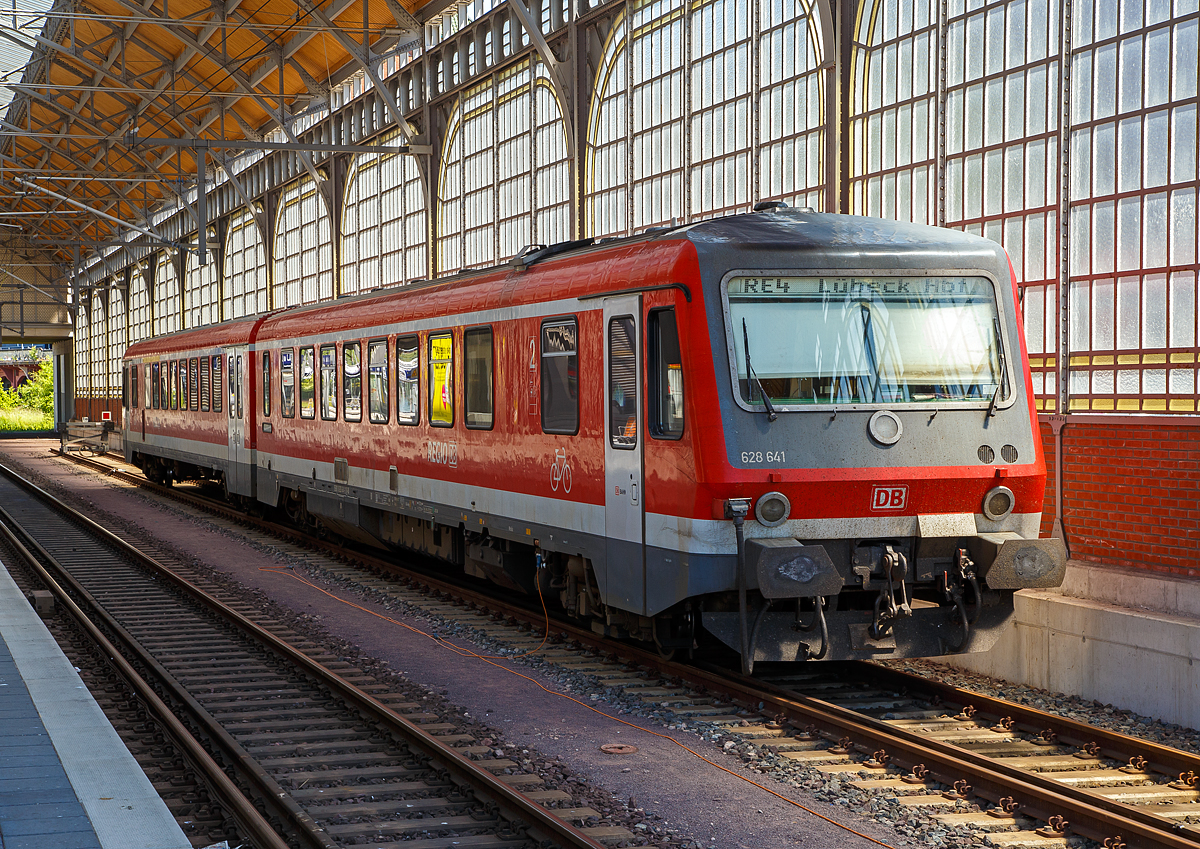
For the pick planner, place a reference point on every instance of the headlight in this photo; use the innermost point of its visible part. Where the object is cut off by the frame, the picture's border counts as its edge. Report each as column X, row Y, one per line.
column 999, row 503
column 772, row 509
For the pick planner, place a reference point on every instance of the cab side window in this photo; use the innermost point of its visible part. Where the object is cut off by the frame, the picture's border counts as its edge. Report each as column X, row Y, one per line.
column 666, row 377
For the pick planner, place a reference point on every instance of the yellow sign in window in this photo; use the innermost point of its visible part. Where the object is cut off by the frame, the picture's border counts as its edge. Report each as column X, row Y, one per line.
column 441, row 379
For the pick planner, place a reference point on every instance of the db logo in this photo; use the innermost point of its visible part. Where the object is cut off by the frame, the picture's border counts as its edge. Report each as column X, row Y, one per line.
column 889, row 498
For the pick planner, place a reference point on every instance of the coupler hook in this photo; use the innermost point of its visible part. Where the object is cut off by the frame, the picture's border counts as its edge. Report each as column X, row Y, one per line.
column 887, row 610
column 954, row 587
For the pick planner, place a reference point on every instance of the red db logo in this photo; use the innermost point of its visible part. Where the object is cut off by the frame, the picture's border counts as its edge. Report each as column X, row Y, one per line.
column 889, row 498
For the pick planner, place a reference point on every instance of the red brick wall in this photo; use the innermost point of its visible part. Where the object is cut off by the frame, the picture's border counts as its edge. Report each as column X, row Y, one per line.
column 1130, row 491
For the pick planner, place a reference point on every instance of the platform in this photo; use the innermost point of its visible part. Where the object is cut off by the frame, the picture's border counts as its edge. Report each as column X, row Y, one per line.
column 1119, row 636
column 66, row 779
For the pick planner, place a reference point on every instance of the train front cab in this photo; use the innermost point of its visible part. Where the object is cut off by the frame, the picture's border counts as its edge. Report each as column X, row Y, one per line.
column 879, row 493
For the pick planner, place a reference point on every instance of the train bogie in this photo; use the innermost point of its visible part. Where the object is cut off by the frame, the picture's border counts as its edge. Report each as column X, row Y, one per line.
column 801, row 435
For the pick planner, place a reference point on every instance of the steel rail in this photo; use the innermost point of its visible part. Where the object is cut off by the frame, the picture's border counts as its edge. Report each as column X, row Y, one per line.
column 254, row 826
column 1040, row 797
column 511, row 803
column 1089, row 814
column 1113, row 744
column 285, row 808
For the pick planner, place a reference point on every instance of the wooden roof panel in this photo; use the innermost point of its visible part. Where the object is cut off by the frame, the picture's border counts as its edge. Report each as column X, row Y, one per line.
column 122, row 66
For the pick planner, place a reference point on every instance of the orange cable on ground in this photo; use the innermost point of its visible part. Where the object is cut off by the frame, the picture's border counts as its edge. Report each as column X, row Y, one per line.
column 464, row 652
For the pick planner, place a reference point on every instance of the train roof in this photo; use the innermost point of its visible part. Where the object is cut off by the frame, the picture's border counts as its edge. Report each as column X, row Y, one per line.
column 539, row 273
column 804, row 229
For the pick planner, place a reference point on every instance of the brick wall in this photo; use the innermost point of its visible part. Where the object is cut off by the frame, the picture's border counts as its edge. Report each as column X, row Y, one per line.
column 1131, row 491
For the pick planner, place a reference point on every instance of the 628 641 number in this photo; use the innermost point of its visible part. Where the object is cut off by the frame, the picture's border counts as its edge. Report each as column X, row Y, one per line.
column 763, row 456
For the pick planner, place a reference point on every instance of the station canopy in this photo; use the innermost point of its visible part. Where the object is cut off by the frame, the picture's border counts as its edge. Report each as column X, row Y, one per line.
column 107, row 103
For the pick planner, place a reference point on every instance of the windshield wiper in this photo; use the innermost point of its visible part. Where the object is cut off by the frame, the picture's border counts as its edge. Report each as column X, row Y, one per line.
column 1003, row 370
column 872, row 355
column 771, row 414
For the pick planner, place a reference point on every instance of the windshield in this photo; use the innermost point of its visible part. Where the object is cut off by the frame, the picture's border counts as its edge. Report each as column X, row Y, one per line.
column 865, row 340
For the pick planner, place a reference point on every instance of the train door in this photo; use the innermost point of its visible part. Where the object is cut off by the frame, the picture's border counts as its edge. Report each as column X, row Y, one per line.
column 237, row 360
column 623, row 499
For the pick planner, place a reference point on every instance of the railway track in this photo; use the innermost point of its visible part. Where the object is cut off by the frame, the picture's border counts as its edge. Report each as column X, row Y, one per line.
column 1027, row 777
column 327, row 754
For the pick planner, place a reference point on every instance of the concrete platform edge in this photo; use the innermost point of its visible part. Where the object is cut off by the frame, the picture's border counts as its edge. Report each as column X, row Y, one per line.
column 119, row 799
column 1114, row 635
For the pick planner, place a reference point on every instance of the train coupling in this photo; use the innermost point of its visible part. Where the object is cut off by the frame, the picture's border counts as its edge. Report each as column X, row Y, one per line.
column 892, row 602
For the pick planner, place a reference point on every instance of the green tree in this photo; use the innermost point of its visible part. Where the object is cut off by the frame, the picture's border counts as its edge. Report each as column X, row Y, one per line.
column 38, row 391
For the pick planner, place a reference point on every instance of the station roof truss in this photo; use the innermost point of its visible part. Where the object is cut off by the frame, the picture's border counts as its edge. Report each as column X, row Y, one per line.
column 122, row 103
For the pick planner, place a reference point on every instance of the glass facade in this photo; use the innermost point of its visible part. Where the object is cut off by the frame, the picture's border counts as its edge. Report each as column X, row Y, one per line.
column 1077, row 152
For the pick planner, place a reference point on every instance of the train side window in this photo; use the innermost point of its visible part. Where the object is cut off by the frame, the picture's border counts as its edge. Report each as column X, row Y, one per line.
column 155, row 386
column 218, row 386
column 441, row 380
column 560, row 376
column 174, row 384
column 231, row 377
column 194, row 383
column 622, row 383
column 377, row 381
column 308, row 384
column 124, row 386
column 329, row 397
column 150, row 381
column 238, row 384
column 408, row 371
column 266, row 378
column 183, row 384
column 666, row 376
column 287, row 384
column 205, row 385
column 352, row 382
column 477, row 344
column 133, row 385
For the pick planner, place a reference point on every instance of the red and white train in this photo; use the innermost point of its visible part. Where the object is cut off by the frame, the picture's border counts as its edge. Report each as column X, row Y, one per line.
column 806, row 435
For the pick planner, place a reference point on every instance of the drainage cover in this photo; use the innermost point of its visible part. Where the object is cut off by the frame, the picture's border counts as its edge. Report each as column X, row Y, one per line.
column 618, row 749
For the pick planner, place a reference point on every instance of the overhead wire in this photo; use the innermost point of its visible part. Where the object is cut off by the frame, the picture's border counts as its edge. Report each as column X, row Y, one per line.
column 462, row 651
